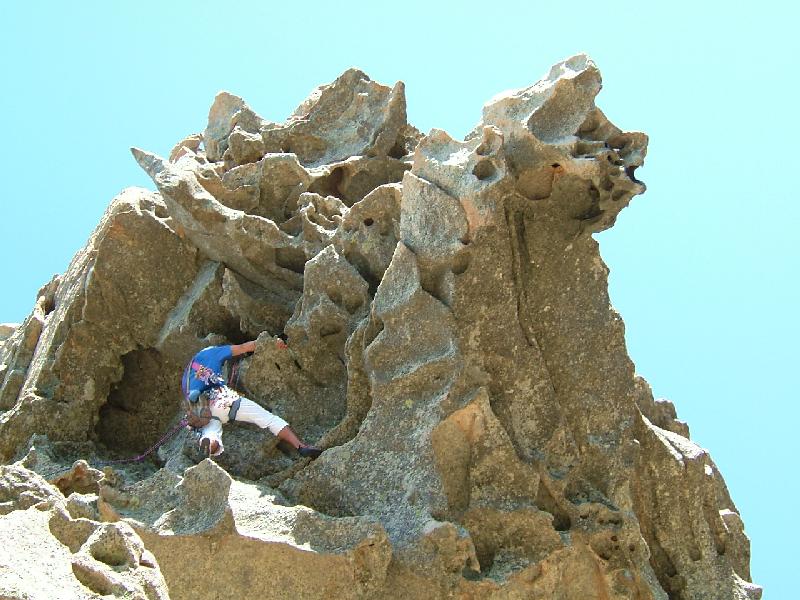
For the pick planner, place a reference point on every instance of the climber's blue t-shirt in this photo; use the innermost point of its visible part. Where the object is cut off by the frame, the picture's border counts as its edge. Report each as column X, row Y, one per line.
column 195, row 381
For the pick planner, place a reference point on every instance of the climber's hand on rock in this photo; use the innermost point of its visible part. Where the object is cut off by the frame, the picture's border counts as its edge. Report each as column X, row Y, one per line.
column 280, row 344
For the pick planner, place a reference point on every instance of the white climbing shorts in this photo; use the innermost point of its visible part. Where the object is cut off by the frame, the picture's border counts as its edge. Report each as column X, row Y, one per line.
column 220, row 401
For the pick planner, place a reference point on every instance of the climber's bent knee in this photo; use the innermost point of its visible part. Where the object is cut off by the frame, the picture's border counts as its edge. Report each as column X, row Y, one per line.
column 250, row 412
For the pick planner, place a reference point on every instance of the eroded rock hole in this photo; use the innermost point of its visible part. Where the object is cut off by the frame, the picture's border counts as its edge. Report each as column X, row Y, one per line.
column 485, row 169
column 330, row 185
column 460, row 263
column 629, row 171
column 141, row 404
column 368, row 222
column 604, row 553
column 398, row 150
column 114, row 555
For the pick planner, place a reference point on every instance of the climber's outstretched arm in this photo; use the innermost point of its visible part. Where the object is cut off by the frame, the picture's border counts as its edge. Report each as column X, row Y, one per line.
column 237, row 349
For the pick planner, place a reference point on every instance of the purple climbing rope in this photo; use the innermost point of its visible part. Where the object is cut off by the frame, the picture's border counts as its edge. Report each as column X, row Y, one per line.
column 233, row 378
column 165, row 438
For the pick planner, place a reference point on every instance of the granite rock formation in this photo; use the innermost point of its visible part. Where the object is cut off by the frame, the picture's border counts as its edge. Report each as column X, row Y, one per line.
column 450, row 344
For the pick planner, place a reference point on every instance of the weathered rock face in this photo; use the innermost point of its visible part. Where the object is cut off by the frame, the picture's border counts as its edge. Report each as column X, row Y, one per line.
column 58, row 548
column 450, row 343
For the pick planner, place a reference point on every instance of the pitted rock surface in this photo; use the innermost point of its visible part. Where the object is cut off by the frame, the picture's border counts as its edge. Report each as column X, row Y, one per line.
column 48, row 551
column 451, row 345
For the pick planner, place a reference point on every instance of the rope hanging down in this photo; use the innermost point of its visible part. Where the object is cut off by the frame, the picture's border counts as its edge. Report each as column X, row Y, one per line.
column 164, row 439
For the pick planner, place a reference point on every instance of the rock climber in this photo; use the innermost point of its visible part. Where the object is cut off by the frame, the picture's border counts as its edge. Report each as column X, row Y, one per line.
column 203, row 377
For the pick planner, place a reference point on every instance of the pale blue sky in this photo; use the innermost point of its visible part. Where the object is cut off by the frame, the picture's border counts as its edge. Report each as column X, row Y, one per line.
column 704, row 265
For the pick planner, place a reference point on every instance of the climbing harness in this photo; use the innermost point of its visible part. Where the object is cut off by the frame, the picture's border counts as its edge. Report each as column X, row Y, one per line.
column 198, row 412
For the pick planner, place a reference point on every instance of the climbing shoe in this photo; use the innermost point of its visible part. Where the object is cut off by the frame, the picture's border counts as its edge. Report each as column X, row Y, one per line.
column 309, row 451
column 286, row 448
column 205, row 447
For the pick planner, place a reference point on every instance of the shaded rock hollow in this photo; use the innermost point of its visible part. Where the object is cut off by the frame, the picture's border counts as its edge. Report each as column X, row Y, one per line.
column 450, row 343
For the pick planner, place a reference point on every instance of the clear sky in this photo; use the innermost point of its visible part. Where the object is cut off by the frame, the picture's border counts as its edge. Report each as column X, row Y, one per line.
column 704, row 266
